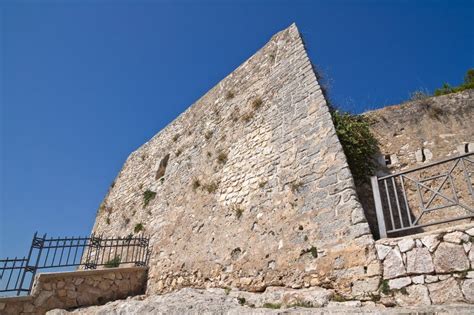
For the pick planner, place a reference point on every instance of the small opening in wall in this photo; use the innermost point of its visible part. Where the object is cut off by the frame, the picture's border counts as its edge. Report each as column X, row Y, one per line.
column 162, row 168
column 466, row 148
column 423, row 156
column 388, row 159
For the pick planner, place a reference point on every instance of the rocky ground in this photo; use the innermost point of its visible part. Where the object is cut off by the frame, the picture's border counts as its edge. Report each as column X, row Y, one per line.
column 272, row 301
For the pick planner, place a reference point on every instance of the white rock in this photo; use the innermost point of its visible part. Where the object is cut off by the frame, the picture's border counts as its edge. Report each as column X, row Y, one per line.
column 382, row 251
column 396, row 284
column 456, row 237
column 431, row 241
column 431, row 279
column 406, row 244
column 418, row 279
column 470, row 231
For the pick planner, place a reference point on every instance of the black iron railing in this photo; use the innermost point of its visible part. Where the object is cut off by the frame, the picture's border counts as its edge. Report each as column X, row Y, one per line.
column 17, row 274
column 433, row 194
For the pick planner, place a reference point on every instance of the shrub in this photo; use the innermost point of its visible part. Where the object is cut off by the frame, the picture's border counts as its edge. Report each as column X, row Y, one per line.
column 358, row 143
column 148, row 195
column 467, row 84
column 384, row 287
column 138, row 228
column 418, row 95
column 113, row 263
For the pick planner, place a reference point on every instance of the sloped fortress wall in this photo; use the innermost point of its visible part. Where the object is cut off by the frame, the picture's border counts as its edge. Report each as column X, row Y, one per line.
column 247, row 188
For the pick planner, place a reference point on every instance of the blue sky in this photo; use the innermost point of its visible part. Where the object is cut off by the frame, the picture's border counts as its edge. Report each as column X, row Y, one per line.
column 84, row 83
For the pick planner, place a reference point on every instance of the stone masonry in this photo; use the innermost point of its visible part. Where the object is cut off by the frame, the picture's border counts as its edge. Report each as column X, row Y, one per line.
column 248, row 188
column 74, row 289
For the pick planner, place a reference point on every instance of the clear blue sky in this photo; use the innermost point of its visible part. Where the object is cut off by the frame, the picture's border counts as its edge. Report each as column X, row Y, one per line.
column 84, row 83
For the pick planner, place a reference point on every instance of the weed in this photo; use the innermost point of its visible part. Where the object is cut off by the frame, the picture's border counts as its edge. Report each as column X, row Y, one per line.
column 238, row 211
column 113, row 263
column 208, row 134
column 227, row 290
column 246, row 117
column 274, row 306
column 176, row 137
column 295, row 186
column 209, row 154
column 306, row 304
column 229, row 95
column 138, row 228
column 107, row 221
column 148, row 195
column 196, row 184
column 262, row 183
column 222, row 157
column 313, row 251
column 241, row 300
column 257, row 103
column 210, row 187
column 338, row 298
column 178, row 152
column 384, row 287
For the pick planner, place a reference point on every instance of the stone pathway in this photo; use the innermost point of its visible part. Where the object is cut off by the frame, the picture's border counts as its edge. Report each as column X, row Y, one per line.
column 219, row 301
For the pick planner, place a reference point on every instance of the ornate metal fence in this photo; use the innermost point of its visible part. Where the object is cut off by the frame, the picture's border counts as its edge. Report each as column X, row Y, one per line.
column 17, row 274
column 434, row 194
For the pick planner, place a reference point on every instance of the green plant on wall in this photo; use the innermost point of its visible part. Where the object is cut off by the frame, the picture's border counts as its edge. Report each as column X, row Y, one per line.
column 113, row 263
column 148, row 195
column 138, row 228
column 466, row 85
column 358, row 143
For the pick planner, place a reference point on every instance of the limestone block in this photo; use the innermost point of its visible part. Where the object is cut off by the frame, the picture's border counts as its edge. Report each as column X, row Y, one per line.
column 431, row 242
column 450, row 257
column 456, row 237
column 445, row 292
column 398, row 283
column 365, row 286
column 406, row 244
column 468, row 290
column 419, row 261
column 415, row 295
column 382, row 251
column 393, row 265
column 418, row 279
column 431, row 279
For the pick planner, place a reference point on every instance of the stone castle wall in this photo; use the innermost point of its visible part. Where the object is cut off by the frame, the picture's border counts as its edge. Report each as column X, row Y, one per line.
column 247, row 188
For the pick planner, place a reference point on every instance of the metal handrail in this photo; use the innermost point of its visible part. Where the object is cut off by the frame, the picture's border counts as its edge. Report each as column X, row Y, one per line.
column 393, row 210
column 88, row 252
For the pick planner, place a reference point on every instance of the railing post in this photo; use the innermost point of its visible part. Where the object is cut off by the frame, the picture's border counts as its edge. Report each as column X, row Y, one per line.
column 39, row 245
column 378, row 206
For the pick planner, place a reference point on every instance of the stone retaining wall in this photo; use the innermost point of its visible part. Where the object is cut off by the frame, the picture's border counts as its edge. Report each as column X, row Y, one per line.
column 428, row 268
column 74, row 289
